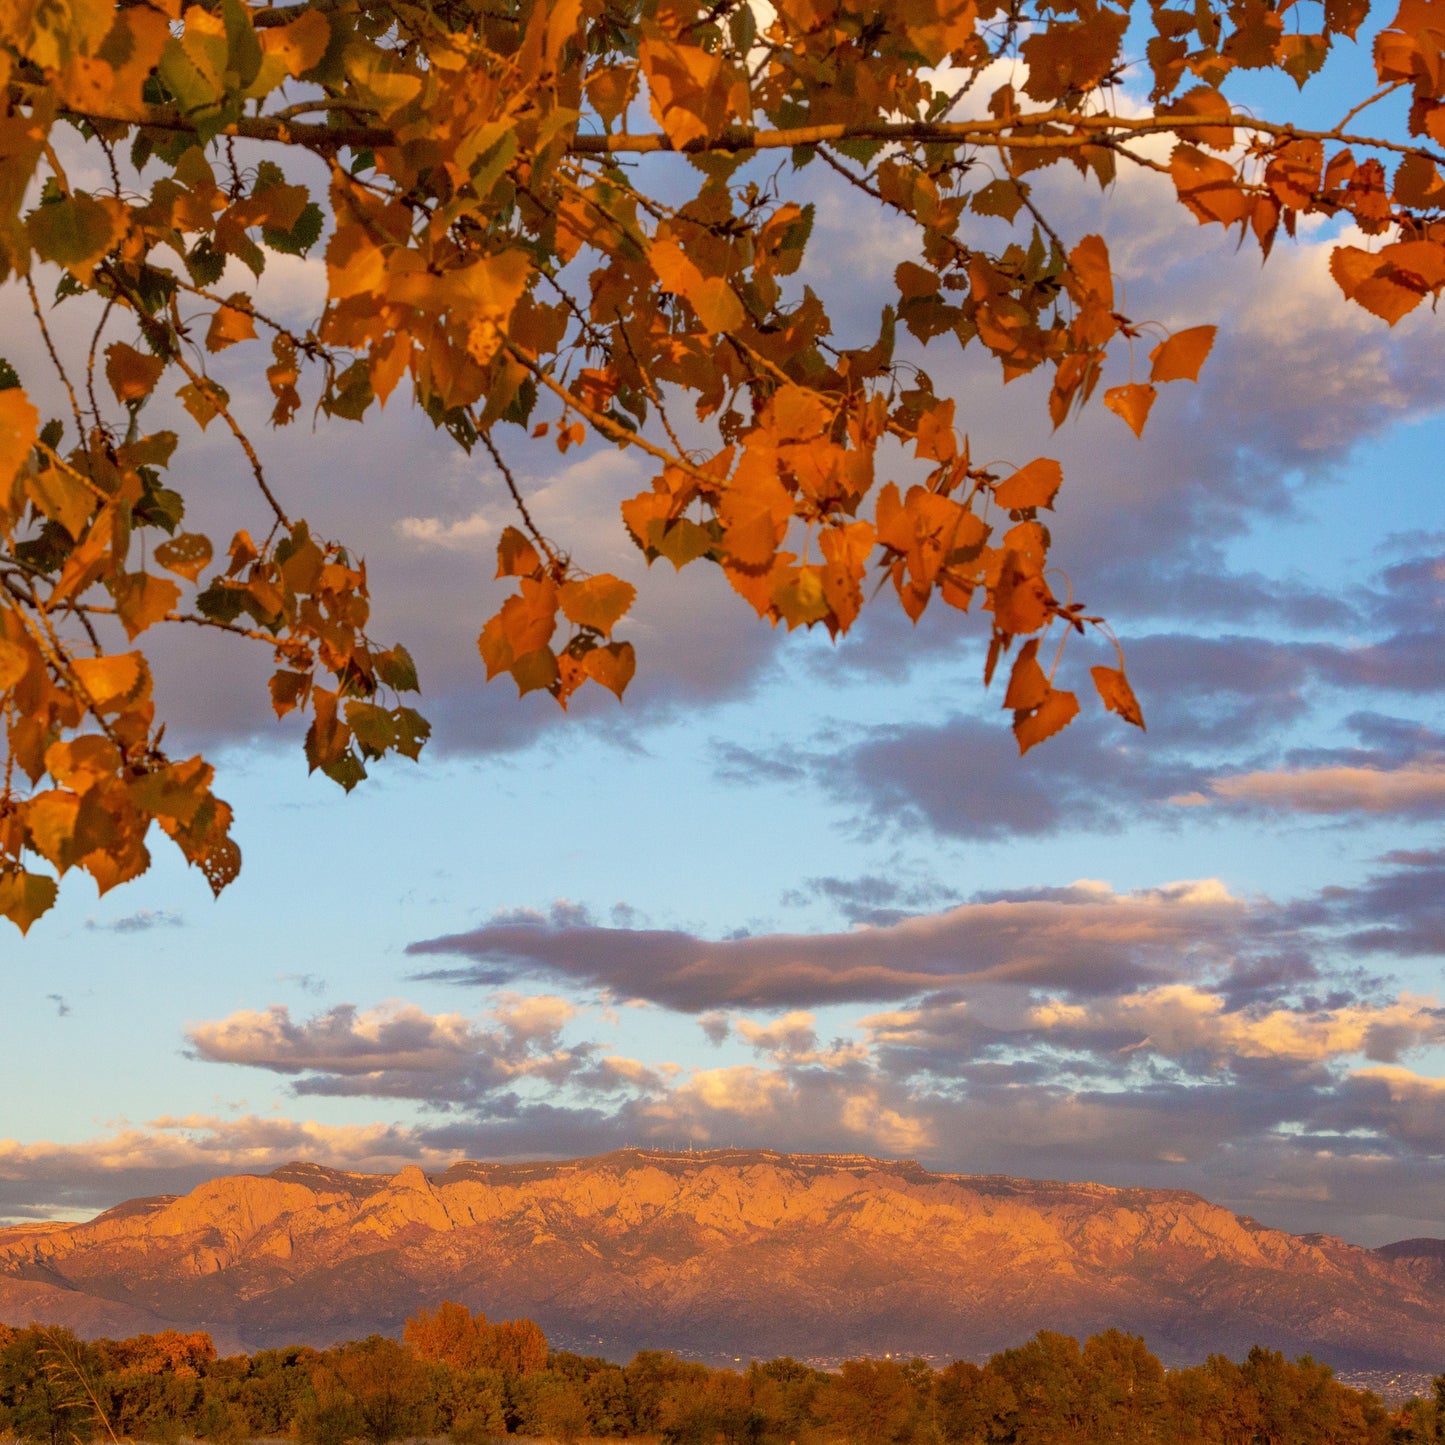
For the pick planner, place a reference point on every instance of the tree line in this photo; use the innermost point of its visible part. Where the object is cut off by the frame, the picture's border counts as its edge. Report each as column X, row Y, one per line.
column 460, row 1376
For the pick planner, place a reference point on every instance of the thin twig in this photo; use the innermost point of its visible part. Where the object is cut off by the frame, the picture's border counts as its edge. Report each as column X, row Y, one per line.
column 55, row 358
column 516, row 492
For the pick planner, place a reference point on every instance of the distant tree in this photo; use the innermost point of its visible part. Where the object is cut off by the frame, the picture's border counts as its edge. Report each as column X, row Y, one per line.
column 515, row 1347
column 605, row 1390
column 277, row 1389
column 449, row 1334
column 783, row 1394
column 551, row 1405
column 376, row 1382
column 1124, row 1397
column 871, row 1401
column 975, row 1405
column 652, row 1377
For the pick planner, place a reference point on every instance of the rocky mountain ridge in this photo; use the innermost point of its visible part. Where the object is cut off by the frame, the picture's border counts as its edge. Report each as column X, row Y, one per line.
column 724, row 1253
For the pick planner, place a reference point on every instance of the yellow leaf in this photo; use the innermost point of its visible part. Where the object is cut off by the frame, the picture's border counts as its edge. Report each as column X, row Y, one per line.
column 76, row 232
column 142, row 600
column 25, row 896
column 50, row 819
column 204, row 399
column 63, row 497
column 114, row 681
column 187, row 555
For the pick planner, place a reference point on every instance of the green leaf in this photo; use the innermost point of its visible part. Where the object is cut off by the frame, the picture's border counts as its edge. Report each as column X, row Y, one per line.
column 412, row 731
column 301, row 237
column 397, row 670
column 346, row 770
column 75, row 232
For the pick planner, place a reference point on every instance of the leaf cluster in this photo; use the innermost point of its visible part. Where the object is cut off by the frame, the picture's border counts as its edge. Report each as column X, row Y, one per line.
column 561, row 218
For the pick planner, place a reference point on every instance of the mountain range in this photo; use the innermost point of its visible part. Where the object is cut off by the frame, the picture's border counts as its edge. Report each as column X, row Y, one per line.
column 725, row 1254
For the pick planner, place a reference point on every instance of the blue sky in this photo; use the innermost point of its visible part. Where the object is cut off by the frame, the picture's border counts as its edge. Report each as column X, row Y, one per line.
column 807, row 896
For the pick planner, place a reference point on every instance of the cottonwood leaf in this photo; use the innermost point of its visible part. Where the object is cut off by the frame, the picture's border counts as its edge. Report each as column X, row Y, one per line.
column 1053, row 714
column 1116, row 694
column 19, row 429
column 1028, row 685
column 598, row 602
column 1132, row 402
column 24, row 897
column 132, row 374
column 115, row 681
column 142, row 600
column 1179, row 357
column 187, row 555
column 75, row 232
column 612, row 666
column 1035, row 485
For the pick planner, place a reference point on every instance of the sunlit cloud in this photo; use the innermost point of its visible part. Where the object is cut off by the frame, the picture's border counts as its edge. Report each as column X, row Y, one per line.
column 1418, row 790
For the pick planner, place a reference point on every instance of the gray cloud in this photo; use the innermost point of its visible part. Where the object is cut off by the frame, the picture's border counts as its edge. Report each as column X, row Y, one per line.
column 1083, row 938
column 398, row 1051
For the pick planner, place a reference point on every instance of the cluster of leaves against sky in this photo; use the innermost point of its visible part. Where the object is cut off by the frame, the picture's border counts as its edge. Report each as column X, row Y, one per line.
column 490, row 237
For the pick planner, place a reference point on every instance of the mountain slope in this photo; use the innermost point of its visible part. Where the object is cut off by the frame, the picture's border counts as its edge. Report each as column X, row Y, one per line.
column 725, row 1253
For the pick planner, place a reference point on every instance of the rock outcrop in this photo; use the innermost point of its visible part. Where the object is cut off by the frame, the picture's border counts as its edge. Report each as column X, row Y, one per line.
column 724, row 1253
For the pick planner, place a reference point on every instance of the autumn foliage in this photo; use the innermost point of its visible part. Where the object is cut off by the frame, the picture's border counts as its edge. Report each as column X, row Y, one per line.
column 573, row 219
column 1050, row 1390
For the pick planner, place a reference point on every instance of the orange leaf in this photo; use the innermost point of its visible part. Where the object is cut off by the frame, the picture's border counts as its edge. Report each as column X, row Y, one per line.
column 230, row 323
column 596, row 603
column 1053, row 715
column 142, row 600
column 1179, row 357
column 535, row 671
column 14, row 663
column 1132, row 402
column 1208, row 187
column 1371, row 282
column 1020, row 597
column 132, row 374
column 1089, row 261
column 612, row 666
column 301, row 44
column 516, row 556
column 19, row 426
column 717, row 307
column 1117, row 695
column 1027, row 685
column 1032, row 486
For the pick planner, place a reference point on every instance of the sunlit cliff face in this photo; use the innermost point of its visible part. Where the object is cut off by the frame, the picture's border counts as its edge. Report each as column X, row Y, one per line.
column 676, row 1248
